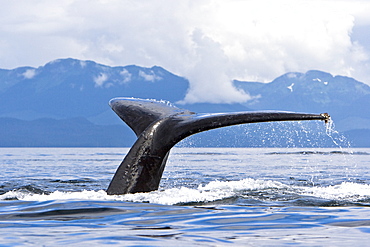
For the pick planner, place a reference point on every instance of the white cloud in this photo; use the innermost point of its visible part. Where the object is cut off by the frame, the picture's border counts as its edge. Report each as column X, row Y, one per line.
column 150, row 76
column 83, row 64
column 29, row 73
column 292, row 75
column 126, row 75
column 100, row 79
column 211, row 42
column 208, row 75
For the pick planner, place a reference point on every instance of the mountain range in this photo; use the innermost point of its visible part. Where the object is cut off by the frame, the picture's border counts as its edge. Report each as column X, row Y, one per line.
column 65, row 103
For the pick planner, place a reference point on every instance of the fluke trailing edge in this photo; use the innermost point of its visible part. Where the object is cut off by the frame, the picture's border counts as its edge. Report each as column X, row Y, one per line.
column 159, row 126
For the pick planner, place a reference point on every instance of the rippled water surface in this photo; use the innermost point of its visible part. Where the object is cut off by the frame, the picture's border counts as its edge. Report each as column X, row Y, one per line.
column 207, row 197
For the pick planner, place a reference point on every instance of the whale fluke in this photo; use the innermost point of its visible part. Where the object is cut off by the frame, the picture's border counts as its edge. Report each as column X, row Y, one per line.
column 159, row 126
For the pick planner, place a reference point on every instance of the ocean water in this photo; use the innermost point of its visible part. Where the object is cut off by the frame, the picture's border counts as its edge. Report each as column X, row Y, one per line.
column 207, row 197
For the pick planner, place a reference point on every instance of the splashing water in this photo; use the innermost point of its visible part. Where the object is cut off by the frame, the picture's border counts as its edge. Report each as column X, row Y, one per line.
column 312, row 134
column 338, row 139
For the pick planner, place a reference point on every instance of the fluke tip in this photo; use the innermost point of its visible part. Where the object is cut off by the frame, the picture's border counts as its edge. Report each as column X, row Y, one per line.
column 326, row 117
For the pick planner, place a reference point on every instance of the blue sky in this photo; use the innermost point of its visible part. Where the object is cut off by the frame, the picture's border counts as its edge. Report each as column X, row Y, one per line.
column 210, row 42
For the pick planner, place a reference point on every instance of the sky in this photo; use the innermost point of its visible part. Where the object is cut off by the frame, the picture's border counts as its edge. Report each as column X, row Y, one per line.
column 210, row 42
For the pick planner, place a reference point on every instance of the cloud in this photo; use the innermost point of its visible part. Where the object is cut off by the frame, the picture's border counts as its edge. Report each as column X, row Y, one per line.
column 210, row 42
column 151, row 77
column 126, row 76
column 83, row 64
column 29, row 73
column 99, row 80
column 210, row 81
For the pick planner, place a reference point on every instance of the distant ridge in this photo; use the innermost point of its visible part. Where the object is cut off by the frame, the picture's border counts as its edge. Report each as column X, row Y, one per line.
column 67, row 88
column 69, row 94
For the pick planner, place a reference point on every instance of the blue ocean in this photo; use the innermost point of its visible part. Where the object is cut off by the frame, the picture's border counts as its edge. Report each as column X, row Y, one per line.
column 207, row 197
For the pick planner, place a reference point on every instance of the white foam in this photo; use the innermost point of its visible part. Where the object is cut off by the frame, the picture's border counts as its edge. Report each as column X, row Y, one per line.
column 57, row 195
column 245, row 184
column 178, row 195
column 215, row 190
column 344, row 191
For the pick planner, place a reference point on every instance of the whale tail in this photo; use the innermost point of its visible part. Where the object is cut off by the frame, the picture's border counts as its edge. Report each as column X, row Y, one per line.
column 159, row 125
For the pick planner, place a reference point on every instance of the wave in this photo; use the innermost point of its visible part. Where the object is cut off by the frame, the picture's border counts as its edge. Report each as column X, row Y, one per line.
column 348, row 191
column 215, row 190
column 245, row 191
column 321, row 152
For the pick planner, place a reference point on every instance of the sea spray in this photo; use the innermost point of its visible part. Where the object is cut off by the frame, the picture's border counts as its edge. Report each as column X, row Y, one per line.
column 342, row 142
column 337, row 138
column 291, row 134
